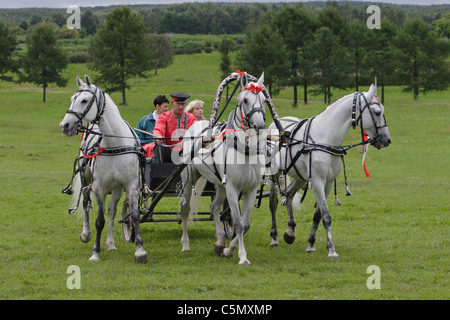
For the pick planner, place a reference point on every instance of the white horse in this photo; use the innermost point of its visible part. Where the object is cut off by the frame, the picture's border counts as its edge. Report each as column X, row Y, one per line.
column 233, row 162
column 314, row 154
column 80, row 185
column 117, row 166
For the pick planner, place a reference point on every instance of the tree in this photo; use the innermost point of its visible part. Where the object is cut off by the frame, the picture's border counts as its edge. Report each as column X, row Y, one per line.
column 422, row 58
column 225, row 47
column 261, row 52
column 89, row 22
column 296, row 26
column 331, row 63
column 161, row 51
column 442, row 26
column 7, row 45
column 118, row 52
column 45, row 60
column 356, row 40
column 380, row 61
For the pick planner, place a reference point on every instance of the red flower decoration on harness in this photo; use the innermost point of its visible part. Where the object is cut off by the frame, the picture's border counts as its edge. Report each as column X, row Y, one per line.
column 241, row 73
column 254, row 89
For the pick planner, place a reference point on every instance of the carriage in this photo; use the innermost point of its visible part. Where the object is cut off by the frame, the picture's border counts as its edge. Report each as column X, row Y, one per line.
column 164, row 180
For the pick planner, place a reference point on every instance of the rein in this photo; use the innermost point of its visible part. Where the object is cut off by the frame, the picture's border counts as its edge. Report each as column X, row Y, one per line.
column 101, row 104
column 359, row 120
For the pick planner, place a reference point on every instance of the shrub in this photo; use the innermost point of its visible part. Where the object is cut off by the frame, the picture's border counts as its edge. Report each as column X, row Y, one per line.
column 80, row 57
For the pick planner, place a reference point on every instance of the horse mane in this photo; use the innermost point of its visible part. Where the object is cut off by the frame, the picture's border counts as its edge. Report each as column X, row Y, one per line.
column 331, row 106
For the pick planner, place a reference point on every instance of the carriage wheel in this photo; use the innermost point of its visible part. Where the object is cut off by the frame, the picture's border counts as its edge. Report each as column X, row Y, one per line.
column 228, row 226
column 127, row 225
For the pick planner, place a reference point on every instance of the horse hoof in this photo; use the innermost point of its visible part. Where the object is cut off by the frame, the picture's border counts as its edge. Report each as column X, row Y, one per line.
column 140, row 257
column 111, row 247
column 289, row 239
column 94, row 257
column 274, row 243
column 218, row 249
column 186, row 249
column 310, row 249
column 84, row 238
column 333, row 255
column 244, row 262
column 227, row 253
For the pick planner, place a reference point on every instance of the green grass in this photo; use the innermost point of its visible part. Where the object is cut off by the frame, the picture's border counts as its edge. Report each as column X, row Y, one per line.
column 398, row 219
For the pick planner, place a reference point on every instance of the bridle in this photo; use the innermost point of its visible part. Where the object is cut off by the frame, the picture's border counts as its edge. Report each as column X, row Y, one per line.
column 245, row 118
column 359, row 121
column 100, row 102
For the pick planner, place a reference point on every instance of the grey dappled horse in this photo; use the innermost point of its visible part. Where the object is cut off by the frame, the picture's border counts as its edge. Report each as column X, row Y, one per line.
column 116, row 168
column 314, row 154
column 233, row 162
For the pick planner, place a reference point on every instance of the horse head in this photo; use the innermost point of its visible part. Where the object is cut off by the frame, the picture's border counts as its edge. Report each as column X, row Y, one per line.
column 373, row 121
column 251, row 110
column 85, row 107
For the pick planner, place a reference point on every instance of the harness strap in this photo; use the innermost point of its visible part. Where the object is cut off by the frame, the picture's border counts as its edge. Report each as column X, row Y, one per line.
column 118, row 150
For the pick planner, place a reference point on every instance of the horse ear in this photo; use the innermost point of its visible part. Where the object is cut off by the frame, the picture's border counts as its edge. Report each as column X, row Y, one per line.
column 372, row 90
column 88, row 80
column 244, row 80
column 260, row 80
column 80, row 83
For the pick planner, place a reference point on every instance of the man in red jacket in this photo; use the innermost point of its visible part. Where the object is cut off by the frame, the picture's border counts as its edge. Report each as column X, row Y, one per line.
column 172, row 124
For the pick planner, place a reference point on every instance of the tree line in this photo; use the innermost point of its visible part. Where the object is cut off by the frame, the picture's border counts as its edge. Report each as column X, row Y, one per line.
column 327, row 49
column 120, row 49
column 310, row 47
column 212, row 18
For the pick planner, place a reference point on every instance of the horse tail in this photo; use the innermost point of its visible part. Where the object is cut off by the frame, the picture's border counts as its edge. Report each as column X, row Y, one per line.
column 195, row 198
column 77, row 195
column 297, row 202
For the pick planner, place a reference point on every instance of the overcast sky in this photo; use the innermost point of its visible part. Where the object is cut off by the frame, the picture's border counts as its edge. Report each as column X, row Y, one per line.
column 92, row 3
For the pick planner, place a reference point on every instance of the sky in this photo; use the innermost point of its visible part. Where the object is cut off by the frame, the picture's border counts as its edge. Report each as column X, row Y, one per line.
column 92, row 3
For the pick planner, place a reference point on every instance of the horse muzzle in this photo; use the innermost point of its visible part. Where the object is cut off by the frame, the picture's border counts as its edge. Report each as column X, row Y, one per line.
column 68, row 128
column 381, row 142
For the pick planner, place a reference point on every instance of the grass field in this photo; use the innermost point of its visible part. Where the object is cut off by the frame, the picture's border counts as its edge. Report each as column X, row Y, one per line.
column 397, row 220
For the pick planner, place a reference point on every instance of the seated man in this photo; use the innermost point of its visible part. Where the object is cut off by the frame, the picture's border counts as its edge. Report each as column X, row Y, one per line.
column 172, row 124
column 147, row 124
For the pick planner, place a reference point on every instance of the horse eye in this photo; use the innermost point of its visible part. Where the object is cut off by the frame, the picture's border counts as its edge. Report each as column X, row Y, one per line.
column 245, row 100
column 84, row 101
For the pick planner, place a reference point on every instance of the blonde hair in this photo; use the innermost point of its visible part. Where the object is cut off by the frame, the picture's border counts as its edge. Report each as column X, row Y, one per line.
column 193, row 104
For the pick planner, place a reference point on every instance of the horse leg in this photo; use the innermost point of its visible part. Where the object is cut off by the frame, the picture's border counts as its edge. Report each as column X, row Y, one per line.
column 322, row 212
column 312, row 235
column 140, row 255
column 248, row 201
column 85, row 235
column 185, row 209
column 215, row 208
column 112, row 209
column 241, row 224
column 326, row 220
column 291, row 190
column 273, row 204
column 99, row 224
column 233, row 202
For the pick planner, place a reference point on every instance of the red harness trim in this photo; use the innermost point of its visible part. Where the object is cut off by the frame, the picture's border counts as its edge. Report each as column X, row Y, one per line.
column 93, row 155
column 90, row 156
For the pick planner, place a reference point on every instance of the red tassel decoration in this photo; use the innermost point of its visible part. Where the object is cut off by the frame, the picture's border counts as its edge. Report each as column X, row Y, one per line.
column 366, row 147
